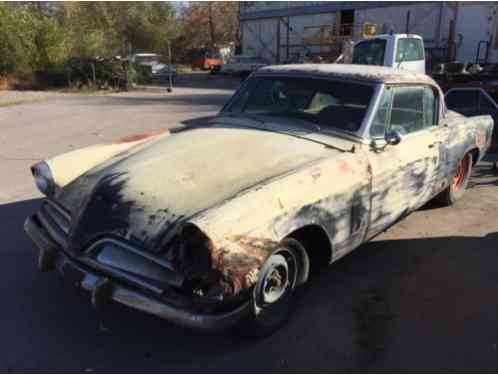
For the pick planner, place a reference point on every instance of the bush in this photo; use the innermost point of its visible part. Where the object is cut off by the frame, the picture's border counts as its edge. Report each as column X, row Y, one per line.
column 143, row 74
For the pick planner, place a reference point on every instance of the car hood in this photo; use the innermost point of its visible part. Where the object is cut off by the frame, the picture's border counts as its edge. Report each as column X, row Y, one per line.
column 145, row 194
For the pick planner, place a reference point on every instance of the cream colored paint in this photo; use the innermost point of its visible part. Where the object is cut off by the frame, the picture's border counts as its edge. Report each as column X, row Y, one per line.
column 68, row 166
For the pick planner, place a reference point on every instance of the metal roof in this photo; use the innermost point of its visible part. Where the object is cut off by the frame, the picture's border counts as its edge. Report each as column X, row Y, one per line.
column 369, row 73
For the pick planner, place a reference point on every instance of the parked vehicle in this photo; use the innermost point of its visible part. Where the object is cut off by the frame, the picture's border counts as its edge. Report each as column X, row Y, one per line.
column 242, row 65
column 403, row 51
column 215, row 226
column 207, row 59
column 153, row 61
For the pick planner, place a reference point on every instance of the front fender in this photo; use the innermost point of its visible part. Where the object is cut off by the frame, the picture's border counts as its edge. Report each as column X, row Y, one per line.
column 67, row 167
column 246, row 229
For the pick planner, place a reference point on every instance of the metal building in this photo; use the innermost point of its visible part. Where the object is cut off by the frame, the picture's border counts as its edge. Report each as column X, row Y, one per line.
column 285, row 31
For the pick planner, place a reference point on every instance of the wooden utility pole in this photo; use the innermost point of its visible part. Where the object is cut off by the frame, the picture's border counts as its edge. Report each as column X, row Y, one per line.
column 170, row 67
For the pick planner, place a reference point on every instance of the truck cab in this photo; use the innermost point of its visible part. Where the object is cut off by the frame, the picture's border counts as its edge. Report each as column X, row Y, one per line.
column 403, row 51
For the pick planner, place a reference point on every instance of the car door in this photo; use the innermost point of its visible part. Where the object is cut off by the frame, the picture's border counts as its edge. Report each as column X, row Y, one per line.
column 403, row 174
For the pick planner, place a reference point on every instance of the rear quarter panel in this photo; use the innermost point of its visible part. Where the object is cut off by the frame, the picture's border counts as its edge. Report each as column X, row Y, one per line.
column 461, row 135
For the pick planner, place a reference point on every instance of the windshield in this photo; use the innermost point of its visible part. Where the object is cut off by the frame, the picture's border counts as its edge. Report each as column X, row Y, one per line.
column 369, row 52
column 326, row 103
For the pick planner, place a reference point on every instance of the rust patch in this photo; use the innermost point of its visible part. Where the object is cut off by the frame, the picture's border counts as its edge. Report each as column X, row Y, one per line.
column 140, row 137
column 344, row 167
column 240, row 260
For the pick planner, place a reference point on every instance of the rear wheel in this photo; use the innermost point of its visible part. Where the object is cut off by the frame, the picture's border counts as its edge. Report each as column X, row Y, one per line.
column 273, row 292
column 459, row 181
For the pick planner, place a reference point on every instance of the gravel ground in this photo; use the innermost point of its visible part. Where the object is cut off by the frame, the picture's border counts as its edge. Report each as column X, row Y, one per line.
column 12, row 97
column 420, row 297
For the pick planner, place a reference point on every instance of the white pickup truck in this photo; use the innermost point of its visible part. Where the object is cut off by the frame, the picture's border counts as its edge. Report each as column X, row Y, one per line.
column 403, row 51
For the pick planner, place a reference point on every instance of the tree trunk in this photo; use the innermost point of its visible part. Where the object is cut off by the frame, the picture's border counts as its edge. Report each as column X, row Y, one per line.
column 211, row 24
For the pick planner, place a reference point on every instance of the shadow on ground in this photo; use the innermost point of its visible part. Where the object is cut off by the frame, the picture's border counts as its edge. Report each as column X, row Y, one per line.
column 408, row 305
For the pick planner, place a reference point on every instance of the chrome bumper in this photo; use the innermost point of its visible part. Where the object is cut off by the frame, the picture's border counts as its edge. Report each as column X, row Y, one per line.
column 104, row 289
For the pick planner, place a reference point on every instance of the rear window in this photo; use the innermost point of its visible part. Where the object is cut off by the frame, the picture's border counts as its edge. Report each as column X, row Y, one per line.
column 370, row 52
column 465, row 102
column 409, row 49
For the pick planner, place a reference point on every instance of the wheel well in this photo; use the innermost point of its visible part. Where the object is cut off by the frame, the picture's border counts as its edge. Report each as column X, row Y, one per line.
column 475, row 155
column 317, row 245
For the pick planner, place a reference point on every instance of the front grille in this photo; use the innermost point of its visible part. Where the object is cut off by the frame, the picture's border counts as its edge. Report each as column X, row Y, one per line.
column 56, row 221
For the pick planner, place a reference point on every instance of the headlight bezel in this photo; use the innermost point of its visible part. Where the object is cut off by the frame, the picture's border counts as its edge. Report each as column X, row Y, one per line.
column 44, row 178
column 194, row 253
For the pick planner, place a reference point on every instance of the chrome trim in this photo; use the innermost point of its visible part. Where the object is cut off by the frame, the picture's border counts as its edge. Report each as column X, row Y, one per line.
column 60, row 240
column 121, row 275
column 59, row 209
column 57, row 216
column 158, row 260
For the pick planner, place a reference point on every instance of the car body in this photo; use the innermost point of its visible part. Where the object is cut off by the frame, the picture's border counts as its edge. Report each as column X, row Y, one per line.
column 475, row 99
column 241, row 65
column 152, row 60
column 207, row 59
column 207, row 225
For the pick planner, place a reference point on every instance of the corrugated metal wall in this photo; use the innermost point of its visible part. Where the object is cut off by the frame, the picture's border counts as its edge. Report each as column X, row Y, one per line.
column 476, row 21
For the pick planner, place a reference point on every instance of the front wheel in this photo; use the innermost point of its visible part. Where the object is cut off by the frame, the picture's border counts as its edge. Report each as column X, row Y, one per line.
column 459, row 181
column 273, row 292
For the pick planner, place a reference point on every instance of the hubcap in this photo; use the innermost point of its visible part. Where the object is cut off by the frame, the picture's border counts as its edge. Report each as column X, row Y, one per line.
column 275, row 284
column 276, row 279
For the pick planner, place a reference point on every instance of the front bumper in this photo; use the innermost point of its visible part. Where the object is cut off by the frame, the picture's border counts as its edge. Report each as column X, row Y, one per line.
column 104, row 288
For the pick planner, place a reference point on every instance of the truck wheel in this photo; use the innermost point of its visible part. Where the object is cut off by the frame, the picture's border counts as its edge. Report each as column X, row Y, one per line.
column 459, row 182
column 273, row 293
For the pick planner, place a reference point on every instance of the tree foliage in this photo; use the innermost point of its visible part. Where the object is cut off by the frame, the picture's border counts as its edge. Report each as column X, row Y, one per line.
column 209, row 24
column 43, row 37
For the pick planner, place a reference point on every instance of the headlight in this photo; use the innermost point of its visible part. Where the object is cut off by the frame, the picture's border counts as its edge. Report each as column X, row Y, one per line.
column 194, row 257
column 194, row 261
column 44, row 179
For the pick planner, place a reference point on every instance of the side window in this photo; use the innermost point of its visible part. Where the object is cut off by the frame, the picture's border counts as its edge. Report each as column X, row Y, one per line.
column 407, row 114
column 409, row 49
column 486, row 107
column 465, row 102
column 379, row 122
column 430, row 107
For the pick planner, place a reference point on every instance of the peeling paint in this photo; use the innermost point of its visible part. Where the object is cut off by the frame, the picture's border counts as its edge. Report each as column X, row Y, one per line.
column 247, row 189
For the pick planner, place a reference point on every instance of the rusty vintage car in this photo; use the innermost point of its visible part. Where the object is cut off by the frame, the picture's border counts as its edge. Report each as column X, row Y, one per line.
column 213, row 226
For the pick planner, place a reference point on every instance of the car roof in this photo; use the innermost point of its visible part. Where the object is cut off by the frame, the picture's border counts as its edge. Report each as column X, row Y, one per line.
column 367, row 73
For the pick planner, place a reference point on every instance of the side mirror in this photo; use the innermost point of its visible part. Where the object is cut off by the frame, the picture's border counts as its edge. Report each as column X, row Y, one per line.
column 393, row 137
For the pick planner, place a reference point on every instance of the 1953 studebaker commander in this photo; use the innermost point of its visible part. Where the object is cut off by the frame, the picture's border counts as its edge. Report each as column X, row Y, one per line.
column 216, row 224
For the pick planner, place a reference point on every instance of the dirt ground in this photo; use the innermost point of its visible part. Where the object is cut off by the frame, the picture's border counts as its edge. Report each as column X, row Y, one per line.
column 421, row 297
